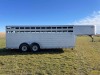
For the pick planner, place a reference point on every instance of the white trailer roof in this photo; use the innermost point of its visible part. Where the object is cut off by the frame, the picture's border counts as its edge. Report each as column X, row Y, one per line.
column 45, row 25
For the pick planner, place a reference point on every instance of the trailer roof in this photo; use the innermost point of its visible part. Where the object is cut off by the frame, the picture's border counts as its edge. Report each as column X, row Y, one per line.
column 45, row 25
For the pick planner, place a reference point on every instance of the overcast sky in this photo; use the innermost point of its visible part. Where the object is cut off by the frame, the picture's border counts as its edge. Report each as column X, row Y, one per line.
column 49, row 12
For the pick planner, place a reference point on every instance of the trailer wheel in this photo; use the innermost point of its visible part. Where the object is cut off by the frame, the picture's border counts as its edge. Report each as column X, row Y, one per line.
column 24, row 47
column 35, row 47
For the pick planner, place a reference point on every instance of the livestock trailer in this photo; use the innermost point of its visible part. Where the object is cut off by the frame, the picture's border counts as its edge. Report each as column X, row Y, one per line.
column 34, row 38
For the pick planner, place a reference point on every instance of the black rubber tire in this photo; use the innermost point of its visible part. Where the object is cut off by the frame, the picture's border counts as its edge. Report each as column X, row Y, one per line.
column 24, row 47
column 35, row 47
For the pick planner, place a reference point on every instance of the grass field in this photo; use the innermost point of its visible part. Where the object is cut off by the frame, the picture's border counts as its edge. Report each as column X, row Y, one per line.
column 83, row 60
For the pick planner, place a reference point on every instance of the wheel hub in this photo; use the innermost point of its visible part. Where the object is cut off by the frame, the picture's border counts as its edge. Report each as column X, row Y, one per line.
column 24, row 48
column 34, row 48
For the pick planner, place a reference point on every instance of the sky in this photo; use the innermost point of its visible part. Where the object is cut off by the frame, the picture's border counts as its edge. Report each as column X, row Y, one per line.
column 49, row 12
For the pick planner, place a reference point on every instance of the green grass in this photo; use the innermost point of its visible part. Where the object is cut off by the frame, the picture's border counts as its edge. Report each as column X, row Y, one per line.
column 83, row 60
